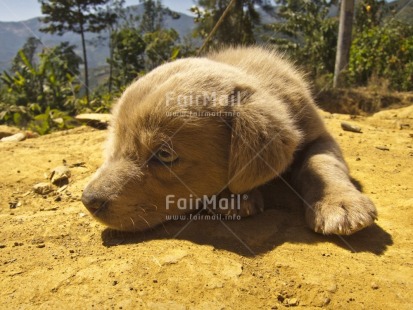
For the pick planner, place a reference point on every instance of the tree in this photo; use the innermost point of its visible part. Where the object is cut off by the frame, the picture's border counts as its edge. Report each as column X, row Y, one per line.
column 128, row 55
column 307, row 33
column 344, row 40
column 161, row 46
column 154, row 14
column 116, row 7
column 78, row 16
column 152, row 19
column 237, row 28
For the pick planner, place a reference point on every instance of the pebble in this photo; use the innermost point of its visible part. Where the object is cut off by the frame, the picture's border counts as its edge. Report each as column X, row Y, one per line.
column 332, row 288
column 326, row 301
column 14, row 138
column 291, row 301
column 374, row 285
column 14, row 204
column 349, row 127
column 42, row 188
column 60, row 175
column 382, row 148
column 95, row 120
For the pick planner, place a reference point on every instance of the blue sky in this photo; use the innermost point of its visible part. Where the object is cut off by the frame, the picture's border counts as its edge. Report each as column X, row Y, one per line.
column 19, row 10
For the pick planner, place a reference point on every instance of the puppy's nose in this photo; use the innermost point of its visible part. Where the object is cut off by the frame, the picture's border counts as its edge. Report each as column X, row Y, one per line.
column 93, row 202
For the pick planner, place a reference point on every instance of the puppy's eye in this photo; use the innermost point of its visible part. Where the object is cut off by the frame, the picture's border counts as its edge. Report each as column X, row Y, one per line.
column 166, row 155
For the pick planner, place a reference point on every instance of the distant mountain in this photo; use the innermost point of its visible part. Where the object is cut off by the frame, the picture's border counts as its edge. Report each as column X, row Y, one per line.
column 13, row 35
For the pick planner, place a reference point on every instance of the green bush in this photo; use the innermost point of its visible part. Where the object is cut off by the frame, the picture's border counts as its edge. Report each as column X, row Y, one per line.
column 383, row 52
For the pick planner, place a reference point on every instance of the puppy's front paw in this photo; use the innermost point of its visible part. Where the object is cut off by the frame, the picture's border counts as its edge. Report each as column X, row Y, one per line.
column 341, row 214
column 244, row 205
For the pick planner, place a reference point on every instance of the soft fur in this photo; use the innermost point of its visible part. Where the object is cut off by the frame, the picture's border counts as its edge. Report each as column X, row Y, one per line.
column 265, row 122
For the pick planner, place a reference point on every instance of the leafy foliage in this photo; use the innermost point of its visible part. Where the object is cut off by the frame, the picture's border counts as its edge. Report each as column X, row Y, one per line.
column 383, row 52
column 154, row 14
column 43, row 87
column 307, row 34
column 370, row 13
column 161, row 46
column 152, row 20
column 51, row 82
column 34, row 119
column 128, row 56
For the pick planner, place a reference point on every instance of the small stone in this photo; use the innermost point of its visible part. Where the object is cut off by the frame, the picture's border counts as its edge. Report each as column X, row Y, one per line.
column 14, row 204
column 2, row 246
column 14, row 138
column 95, row 120
column 374, row 285
column 42, row 245
column 61, row 189
column 172, row 257
column 7, row 131
column 350, row 127
column 42, row 188
column 60, row 176
column 155, row 281
column 332, row 288
column 292, row 302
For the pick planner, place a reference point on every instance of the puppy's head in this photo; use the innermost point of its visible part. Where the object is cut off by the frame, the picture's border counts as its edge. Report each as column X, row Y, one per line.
column 187, row 130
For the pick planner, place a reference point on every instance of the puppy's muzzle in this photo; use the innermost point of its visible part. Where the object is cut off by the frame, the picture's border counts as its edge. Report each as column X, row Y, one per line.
column 94, row 203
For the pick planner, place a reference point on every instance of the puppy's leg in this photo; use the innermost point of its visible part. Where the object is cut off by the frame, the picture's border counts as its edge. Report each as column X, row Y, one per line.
column 333, row 204
column 245, row 205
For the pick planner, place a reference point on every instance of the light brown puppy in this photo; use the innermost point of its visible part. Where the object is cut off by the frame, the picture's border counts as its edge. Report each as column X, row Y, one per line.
column 217, row 126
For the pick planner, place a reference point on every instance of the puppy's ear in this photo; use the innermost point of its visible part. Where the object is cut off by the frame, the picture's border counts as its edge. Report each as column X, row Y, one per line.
column 263, row 140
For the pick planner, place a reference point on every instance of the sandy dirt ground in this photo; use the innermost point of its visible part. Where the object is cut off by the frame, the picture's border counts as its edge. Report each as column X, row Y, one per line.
column 53, row 255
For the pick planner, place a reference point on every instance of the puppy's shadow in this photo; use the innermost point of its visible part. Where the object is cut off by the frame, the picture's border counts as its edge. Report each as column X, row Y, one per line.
column 251, row 237
column 282, row 222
